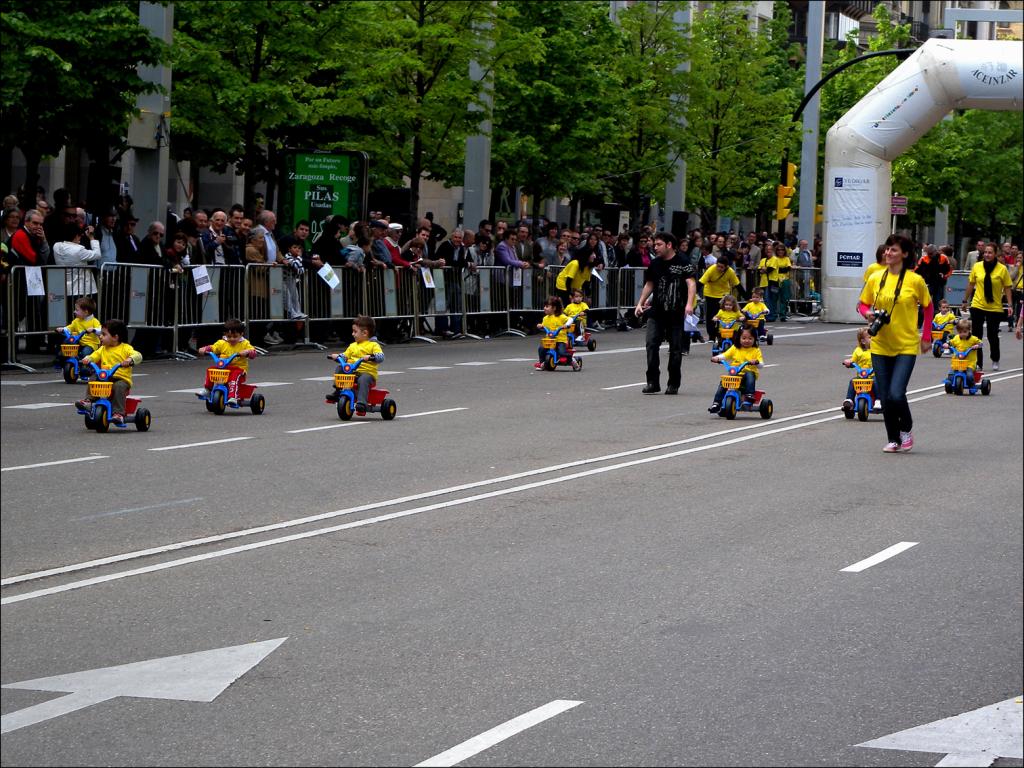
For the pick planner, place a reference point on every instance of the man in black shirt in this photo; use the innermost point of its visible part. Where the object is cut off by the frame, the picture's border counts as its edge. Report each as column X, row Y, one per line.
column 670, row 283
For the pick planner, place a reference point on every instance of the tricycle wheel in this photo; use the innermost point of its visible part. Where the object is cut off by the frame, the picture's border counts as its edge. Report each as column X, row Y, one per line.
column 257, row 403
column 388, row 409
column 863, row 409
column 958, row 386
column 766, row 409
column 577, row 363
column 770, row 338
column 142, row 420
column 986, row 387
column 101, row 423
column 729, row 409
column 848, row 412
column 948, row 387
column 344, row 408
column 90, row 422
column 936, row 350
column 592, row 345
column 70, row 377
column 550, row 363
column 217, row 401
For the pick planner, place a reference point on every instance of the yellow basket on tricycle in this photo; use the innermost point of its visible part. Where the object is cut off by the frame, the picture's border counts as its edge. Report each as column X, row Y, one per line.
column 100, row 388
column 344, row 380
column 959, row 364
column 69, row 350
column 549, row 343
column 731, row 382
column 937, row 335
column 218, row 375
column 727, row 333
column 863, row 385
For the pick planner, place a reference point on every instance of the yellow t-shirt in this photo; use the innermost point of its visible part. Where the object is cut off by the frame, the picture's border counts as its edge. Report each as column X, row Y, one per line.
column 108, row 357
column 717, row 283
column 740, row 355
column 778, row 268
column 575, row 310
column 570, row 277
column 961, row 344
column 944, row 321
column 899, row 336
column 551, row 322
column 861, row 357
column 1018, row 281
column 222, row 348
column 1000, row 282
column 872, row 270
column 91, row 339
column 358, row 349
column 724, row 317
column 754, row 308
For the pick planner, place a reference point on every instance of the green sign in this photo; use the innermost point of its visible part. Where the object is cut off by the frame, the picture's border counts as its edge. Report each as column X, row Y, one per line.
column 322, row 184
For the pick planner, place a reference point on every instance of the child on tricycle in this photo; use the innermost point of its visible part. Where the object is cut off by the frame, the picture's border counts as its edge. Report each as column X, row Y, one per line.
column 111, row 353
column 80, row 340
column 365, row 351
column 554, row 349
column 234, row 344
column 963, row 374
column 577, row 312
column 727, row 323
column 754, row 313
column 943, row 325
column 736, row 391
column 860, row 361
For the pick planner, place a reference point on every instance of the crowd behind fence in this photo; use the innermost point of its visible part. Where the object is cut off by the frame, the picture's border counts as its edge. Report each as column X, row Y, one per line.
column 165, row 308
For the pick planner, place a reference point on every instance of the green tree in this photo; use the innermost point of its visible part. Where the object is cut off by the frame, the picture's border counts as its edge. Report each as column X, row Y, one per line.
column 739, row 106
column 555, row 108
column 68, row 75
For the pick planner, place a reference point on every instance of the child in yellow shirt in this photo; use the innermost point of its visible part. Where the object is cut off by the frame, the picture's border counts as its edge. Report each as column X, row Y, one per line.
column 755, row 311
column 110, row 352
column 861, row 356
column 365, row 350
column 577, row 312
column 944, row 322
column 232, row 343
column 745, row 351
column 963, row 341
column 85, row 320
column 554, row 320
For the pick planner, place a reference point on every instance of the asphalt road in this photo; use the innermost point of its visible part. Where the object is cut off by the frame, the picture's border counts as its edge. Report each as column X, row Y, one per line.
column 516, row 538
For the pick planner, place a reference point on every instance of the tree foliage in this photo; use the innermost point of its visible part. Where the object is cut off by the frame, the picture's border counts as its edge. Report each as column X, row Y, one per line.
column 68, row 75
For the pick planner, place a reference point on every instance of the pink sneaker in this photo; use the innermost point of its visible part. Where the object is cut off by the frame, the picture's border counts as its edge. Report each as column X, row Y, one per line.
column 539, row 366
column 906, row 440
column 891, row 448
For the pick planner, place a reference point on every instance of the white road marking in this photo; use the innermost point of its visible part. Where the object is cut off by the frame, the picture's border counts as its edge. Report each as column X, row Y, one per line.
column 8, row 383
column 35, row 406
column 478, row 362
column 327, row 426
column 271, row 383
column 624, row 386
column 429, row 413
column 430, row 368
column 498, row 734
column 145, row 397
column 320, row 378
column 196, row 445
column 134, row 555
column 518, row 360
column 389, row 373
column 193, row 391
column 54, row 463
column 882, row 556
column 164, row 505
column 771, row 365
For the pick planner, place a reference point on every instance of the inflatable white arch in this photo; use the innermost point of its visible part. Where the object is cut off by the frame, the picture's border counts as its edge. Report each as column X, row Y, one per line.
column 940, row 76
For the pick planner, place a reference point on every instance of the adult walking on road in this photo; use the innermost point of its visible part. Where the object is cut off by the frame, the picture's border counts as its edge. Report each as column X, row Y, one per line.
column 889, row 302
column 671, row 285
column 987, row 285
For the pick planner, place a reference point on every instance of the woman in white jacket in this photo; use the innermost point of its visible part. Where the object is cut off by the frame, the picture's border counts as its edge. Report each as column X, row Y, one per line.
column 71, row 253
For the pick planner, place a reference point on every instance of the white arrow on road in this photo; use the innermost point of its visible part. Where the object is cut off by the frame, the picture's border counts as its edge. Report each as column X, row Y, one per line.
column 200, row 676
column 975, row 738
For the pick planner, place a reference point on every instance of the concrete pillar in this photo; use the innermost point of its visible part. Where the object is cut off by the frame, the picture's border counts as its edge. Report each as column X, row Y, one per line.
column 476, row 187
column 675, row 190
column 809, row 143
column 152, row 166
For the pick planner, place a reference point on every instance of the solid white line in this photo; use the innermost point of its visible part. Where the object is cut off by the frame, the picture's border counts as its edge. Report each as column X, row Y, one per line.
column 30, row 383
column 134, row 555
column 271, row 383
column 35, row 406
column 329, row 426
column 478, row 363
column 624, row 386
column 771, row 365
column 196, row 445
column 54, row 463
column 430, row 413
column 498, row 734
column 193, row 391
column 885, row 554
column 430, row 368
column 396, row 515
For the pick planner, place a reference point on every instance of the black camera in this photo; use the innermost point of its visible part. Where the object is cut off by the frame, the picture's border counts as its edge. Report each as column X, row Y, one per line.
column 881, row 318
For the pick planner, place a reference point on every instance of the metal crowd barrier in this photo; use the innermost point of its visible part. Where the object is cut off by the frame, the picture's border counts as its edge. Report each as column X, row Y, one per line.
column 163, row 304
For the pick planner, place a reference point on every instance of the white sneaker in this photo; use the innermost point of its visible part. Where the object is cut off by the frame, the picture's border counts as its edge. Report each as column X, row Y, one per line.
column 878, row 405
column 204, row 392
column 847, row 405
column 995, row 366
column 232, row 401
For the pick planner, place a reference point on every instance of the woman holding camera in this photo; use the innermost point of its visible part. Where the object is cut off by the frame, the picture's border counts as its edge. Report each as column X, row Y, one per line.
column 889, row 302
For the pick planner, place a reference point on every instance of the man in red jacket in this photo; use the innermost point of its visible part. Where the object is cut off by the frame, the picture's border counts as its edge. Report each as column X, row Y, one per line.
column 29, row 242
column 935, row 268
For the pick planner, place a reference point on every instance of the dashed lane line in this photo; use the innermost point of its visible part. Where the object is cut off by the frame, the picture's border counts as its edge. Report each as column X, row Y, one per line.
column 197, row 445
column 55, row 463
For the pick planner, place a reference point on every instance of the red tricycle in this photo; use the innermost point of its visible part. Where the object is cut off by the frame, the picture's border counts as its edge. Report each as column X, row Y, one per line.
column 377, row 400
column 217, row 398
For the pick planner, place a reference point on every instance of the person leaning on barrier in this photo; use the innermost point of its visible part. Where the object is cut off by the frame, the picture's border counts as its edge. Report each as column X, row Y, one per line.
column 78, row 259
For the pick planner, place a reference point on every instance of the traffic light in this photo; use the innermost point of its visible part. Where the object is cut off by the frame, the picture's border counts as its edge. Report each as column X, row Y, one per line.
column 784, row 192
column 819, row 213
column 782, row 198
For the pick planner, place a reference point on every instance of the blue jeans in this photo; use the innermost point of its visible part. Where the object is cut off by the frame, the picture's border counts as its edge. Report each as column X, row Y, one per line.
column 746, row 387
column 560, row 351
column 892, row 376
column 772, row 300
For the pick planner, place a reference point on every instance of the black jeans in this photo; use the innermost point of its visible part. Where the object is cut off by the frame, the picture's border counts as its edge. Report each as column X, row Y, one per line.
column 892, row 376
column 981, row 319
column 711, row 307
column 660, row 327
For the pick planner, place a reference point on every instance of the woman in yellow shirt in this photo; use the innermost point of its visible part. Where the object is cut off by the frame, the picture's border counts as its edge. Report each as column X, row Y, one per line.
column 889, row 302
column 987, row 304
column 778, row 267
column 718, row 280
